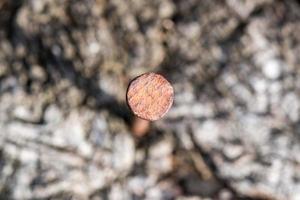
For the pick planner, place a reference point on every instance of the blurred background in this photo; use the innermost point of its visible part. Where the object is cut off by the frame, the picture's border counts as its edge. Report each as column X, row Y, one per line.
column 232, row 133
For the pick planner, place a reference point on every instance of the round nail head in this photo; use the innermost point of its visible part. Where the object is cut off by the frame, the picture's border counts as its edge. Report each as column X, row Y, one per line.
column 150, row 96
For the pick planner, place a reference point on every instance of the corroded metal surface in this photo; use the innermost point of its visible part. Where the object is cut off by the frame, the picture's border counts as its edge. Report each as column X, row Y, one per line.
column 150, row 96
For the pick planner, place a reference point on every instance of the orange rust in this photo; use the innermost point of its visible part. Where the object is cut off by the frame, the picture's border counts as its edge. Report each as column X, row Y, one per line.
column 150, row 96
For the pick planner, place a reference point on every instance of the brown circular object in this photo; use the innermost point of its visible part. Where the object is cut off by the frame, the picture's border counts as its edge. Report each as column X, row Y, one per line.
column 150, row 96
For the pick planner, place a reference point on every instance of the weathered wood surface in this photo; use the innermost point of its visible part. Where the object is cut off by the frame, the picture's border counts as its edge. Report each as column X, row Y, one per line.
column 232, row 132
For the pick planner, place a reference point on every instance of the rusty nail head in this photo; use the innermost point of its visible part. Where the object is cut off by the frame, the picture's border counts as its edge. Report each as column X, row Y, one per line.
column 150, row 96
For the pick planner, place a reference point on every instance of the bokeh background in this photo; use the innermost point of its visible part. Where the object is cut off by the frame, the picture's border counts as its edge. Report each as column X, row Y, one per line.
column 232, row 133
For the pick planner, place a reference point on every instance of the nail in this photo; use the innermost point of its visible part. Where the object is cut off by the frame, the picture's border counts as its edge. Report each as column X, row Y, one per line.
column 150, row 96
column 140, row 127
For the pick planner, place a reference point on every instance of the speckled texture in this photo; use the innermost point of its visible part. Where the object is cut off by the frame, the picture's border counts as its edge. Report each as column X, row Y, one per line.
column 233, row 131
column 150, row 96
